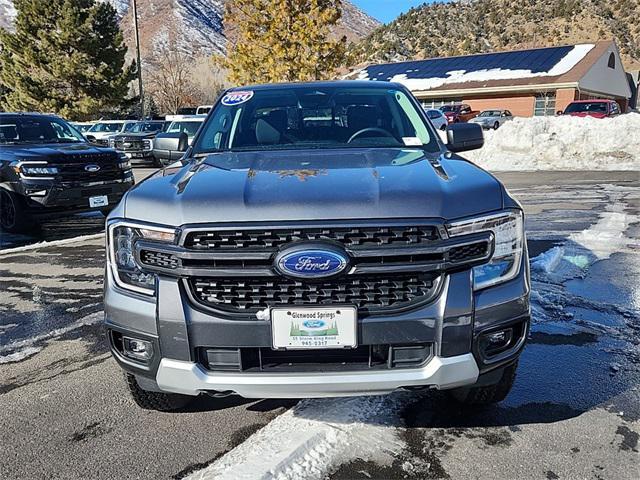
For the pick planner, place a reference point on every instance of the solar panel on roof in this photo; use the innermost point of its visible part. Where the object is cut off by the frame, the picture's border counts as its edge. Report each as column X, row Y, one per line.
column 536, row 61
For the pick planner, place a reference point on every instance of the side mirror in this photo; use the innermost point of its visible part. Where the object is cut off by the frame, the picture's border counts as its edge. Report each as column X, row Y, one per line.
column 464, row 136
column 168, row 147
column 559, row 112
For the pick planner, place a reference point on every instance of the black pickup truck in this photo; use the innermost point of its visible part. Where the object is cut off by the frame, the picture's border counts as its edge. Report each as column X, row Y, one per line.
column 47, row 167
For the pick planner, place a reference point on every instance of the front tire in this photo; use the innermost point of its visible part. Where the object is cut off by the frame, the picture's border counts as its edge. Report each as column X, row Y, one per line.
column 13, row 215
column 496, row 125
column 487, row 395
column 161, row 402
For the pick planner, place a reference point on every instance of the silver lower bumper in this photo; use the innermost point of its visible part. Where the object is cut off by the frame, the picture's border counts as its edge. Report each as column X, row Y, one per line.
column 190, row 379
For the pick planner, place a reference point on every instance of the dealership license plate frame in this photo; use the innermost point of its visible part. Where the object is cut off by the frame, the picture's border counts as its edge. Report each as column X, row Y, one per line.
column 346, row 323
column 98, row 201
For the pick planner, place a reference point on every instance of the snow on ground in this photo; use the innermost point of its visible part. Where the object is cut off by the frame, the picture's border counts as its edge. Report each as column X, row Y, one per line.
column 598, row 242
column 314, row 437
column 562, row 143
column 21, row 349
column 51, row 243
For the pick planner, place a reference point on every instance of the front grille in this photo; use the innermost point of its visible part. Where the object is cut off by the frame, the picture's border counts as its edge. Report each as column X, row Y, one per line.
column 265, row 359
column 472, row 250
column 129, row 145
column 369, row 293
column 158, row 259
column 350, row 237
column 392, row 267
column 73, row 168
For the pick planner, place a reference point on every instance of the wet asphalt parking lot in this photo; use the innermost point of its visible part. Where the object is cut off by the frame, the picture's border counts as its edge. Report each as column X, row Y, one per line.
column 574, row 411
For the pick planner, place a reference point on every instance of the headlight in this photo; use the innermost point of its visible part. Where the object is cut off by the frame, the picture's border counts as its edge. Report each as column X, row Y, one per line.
column 123, row 162
column 126, row 271
column 147, row 144
column 508, row 232
column 112, row 142
column 39, row 170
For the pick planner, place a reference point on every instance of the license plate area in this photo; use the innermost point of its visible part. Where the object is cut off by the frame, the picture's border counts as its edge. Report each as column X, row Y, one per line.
column 98, row 201
column 310, row 328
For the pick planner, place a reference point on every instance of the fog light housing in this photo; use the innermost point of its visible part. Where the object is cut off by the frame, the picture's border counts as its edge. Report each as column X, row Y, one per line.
column 137, row 349
column 497, row 341
column 35, row 192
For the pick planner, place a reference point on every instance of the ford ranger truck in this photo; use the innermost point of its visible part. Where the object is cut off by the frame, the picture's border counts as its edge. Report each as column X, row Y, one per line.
column 317, row 240
column 48, row 168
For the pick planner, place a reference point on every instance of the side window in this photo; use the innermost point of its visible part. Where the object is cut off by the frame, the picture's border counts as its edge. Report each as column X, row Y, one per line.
column 508, row 113
column 615, row 108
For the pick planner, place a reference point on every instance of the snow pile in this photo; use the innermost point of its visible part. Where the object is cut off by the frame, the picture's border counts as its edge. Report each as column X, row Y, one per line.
column 313, row 438
column 562, row 143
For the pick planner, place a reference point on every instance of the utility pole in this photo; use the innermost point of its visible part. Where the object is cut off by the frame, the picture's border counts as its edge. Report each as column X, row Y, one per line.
column 139, row 63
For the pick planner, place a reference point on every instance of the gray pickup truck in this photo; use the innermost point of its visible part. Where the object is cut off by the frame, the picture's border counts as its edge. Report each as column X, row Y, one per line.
column 318, row 240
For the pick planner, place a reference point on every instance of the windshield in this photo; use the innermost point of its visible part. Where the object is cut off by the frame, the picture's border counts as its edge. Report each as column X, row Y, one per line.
column 490, row 113
column 107, row 127
column 25, row 129
column 83, row 127
column 600, row 107
column 190, row 128
column 314, row 117
column 146, row 127
column 450, row 108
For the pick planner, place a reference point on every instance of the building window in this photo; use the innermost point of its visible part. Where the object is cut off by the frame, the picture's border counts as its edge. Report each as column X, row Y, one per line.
column 612, row 61
column 545, row 104
column 439, row 102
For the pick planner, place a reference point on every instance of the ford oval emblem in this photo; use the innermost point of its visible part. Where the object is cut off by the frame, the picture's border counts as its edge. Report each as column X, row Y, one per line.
column 314, row 324
column 92, row 167
column 311, row 262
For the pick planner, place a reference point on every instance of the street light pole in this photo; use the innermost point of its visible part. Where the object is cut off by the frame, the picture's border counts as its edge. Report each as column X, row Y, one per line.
column 137, row 37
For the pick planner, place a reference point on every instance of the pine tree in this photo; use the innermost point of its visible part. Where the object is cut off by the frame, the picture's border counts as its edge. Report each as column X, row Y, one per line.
column 65, row 57
column 282, row 40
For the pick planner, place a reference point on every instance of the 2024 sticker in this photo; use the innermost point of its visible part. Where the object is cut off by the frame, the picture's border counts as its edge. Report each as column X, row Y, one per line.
column 232, row 99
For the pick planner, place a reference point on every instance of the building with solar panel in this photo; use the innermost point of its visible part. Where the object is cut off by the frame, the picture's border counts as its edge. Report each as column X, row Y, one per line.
column 539, row 81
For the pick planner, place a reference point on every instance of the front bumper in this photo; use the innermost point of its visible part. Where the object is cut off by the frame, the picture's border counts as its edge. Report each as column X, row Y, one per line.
column 188, row 378
column 453, row 323
column 67, row 197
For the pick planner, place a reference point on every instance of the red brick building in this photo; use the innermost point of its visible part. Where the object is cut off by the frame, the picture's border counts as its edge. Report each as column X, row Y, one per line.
column 529, row 82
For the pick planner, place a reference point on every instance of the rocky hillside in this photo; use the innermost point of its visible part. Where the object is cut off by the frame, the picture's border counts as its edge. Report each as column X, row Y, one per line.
column 194, row 26
column 473, row 26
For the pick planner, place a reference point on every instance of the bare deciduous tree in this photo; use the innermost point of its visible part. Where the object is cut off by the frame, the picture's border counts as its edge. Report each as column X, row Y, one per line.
column 169, row 79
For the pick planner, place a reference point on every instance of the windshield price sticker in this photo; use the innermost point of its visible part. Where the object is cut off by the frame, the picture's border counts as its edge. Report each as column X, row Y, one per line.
column 236, row 98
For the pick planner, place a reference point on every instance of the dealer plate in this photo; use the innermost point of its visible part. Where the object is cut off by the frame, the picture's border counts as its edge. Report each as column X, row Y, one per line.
column 99, row 201
column 309, row 328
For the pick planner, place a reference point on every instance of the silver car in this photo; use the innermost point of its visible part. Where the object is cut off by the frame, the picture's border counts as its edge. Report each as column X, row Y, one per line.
column 492, row 118
column 437, row 118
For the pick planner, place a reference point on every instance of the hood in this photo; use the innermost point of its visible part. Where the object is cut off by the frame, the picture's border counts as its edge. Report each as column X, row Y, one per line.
column 137, row 136
column 483, row 119
column 587, row 114
column 315, row 185
column 100, row 135
column 57, row 152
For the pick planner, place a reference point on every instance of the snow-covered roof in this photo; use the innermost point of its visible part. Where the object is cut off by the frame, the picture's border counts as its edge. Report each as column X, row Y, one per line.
column 436, row 73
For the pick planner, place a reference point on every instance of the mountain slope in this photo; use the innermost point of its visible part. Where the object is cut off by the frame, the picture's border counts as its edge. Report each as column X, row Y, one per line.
column 194, row 26
column 474, row 26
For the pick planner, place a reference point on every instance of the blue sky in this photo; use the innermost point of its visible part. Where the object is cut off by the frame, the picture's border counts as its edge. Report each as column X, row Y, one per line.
column 387, row 10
